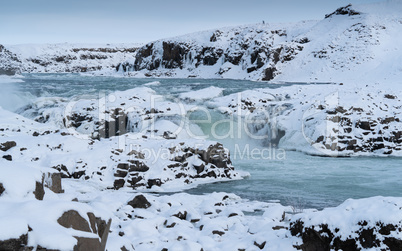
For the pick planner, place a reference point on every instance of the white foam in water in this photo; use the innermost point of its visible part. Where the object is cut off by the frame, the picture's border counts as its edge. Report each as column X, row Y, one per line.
column 10, row 97
column 156, row 83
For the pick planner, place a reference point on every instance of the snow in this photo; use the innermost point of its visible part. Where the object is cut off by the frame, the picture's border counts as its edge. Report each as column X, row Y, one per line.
column 359, row 51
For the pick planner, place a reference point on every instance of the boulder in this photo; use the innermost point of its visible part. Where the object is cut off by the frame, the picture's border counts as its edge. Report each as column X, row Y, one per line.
column 7, row 145
column 72, row 219
column 139, row 201
column 8, row 157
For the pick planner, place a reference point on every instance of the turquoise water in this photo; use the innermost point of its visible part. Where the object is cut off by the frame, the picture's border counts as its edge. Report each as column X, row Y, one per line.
column 313, row 182
column 293, row 178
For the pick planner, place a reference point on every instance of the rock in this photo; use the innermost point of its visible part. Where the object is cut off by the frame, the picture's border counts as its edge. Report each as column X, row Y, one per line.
column 2, row 189
column 8, row 157
column 365, row 125
column 87, row 244
column 260, row 246
column 104, row 234
column 39, row 189
column 321, row 237
column 269, row 74
column 215, row 155
column 15, row 244
column 63, row 171
column 250, row 54
column 169, row 135
column 389, row 96
column 181, row 216
column 154, row 182
column 7, row 145
column 139, row 201
column 138, row 155
column 138, row 166
column 72, row 219
column 173, row 54
column 199, row 168
column 220, row 233
column 347, row 10
column 53, row 182
column 118, row 183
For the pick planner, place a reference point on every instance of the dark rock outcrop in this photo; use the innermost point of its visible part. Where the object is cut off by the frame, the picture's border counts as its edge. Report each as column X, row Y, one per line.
column 251, row 50
column 173, row 55
column 347, row 10
column 139, row 201
column 269, row 73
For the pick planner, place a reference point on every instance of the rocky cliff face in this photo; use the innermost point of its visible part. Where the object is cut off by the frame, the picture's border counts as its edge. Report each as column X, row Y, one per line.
column 56, row 58
column 253, row 51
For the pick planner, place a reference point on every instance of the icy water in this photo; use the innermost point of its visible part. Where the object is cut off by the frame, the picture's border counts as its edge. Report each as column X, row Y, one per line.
column 293, row 179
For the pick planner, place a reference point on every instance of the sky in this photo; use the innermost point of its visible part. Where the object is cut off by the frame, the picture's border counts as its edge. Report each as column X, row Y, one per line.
column 129, row 21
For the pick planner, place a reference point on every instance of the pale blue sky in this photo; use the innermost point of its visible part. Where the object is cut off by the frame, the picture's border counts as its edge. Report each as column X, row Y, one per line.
column 101, row 21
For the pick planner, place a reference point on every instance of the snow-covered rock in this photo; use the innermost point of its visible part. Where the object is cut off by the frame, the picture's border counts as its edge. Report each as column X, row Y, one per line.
column 52, row 58
column 372, row 223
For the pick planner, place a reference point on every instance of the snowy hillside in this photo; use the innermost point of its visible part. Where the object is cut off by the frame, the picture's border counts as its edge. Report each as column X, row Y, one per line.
column 355, row 43
column 52, row 58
